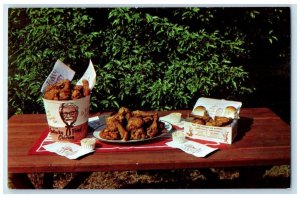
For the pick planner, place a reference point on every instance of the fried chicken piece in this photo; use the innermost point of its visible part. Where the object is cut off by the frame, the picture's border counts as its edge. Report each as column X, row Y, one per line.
column 205, row 118
column 123, row 133
column 52, row 94
column 121, row 115
column 138, row 134
column 78, row 87
column 64, row 94
column 110, row 123
column 86, row 89
column 77, row 92
column 50, row 87
column 58, row 91
column 152, row 131
column 127, row 116
column 219, row 121
column 148, row 120
column 134, row 123
column 116, row 122
column 64, row 85
column 125, row 112
column 120, row 118
column 109, row 135
column 198, row 121
column 211, row 123
column 222, row 121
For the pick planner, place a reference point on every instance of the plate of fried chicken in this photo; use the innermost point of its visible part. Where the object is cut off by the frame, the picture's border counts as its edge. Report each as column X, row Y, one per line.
column 127, row 126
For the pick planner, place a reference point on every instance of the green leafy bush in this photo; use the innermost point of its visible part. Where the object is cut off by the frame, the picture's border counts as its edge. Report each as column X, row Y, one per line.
column 156, row 64
column 49, row 34
column 144, row 58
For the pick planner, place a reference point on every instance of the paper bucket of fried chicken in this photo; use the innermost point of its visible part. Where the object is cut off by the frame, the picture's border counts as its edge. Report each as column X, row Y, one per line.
column 213, row 120
column 67, row 103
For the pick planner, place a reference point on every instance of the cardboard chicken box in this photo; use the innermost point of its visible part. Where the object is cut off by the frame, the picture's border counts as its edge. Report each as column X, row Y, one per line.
column 213, row 120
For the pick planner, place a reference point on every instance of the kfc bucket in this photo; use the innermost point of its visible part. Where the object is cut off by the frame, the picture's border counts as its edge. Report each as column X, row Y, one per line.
column 66, row 104
column 68, row 120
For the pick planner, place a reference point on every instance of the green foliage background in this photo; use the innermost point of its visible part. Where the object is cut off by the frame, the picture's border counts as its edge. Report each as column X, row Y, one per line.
column 145, row 58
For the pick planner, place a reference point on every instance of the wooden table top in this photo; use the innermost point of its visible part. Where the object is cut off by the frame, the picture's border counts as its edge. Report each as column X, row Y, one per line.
column 263, row 139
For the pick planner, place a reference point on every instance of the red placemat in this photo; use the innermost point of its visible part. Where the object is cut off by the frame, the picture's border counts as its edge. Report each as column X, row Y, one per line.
column 155, row 144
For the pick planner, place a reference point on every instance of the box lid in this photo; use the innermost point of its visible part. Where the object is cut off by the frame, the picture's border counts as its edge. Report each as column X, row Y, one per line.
column 217, row 107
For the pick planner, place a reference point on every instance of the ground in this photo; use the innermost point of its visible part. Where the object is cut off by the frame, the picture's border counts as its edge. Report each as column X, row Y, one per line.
column 211, row 178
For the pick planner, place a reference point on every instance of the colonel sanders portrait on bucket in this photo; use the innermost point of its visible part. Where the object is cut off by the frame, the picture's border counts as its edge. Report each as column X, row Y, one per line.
column 68, row 113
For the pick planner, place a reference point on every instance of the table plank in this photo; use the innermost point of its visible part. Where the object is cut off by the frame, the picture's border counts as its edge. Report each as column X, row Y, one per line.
column 263, row 139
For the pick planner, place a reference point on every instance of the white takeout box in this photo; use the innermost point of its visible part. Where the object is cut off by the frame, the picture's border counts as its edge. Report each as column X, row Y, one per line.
column 68, row 119
column 214, row 107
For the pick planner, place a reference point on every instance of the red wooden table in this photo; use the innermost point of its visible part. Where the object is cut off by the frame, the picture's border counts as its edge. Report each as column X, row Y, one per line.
column 263, row 139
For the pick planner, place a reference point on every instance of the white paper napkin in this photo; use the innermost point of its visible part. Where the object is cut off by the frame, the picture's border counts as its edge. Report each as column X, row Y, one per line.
column 194, row 148
column 69, row 150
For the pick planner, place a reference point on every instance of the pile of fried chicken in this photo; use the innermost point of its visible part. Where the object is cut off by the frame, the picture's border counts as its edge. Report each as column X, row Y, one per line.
column 208, row 121
column 132, row 125
column 64, row 90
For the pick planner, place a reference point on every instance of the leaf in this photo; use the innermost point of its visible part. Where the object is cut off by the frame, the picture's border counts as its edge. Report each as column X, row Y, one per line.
column 127, row 17
column 270, row 40
column 149, row 18
column 275, row 38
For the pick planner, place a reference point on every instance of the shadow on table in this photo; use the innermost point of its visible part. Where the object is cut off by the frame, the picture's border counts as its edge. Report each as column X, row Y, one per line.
column 244, row 126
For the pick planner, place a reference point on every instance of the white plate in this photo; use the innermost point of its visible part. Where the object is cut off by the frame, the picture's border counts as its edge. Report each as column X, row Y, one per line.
column 168, row 127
